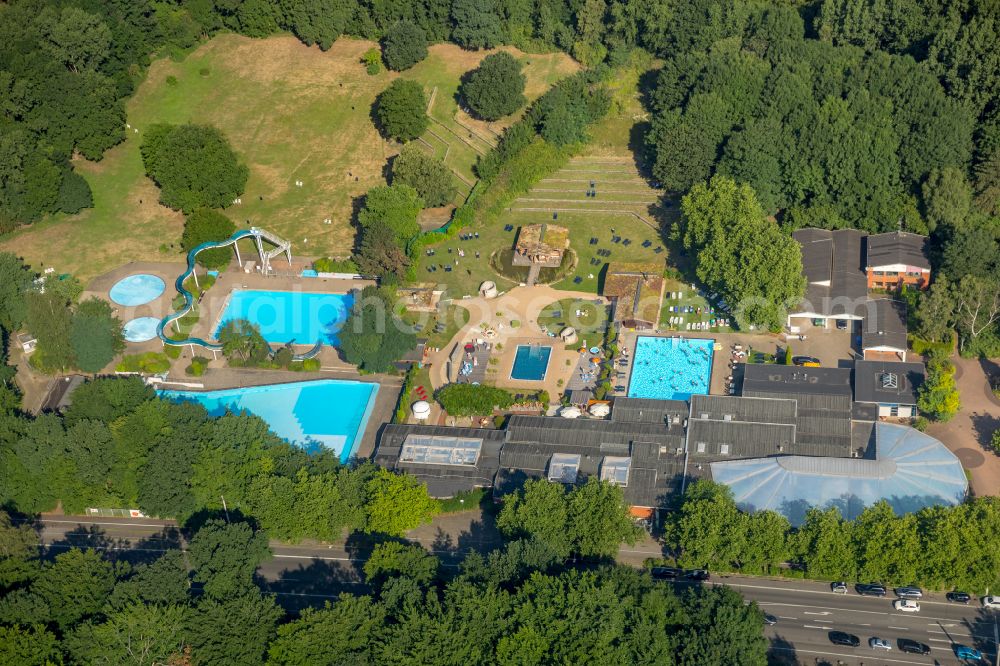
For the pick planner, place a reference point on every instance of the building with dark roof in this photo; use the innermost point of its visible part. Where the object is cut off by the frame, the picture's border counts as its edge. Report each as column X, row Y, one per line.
column 897, row 259
column 449, row 460
column 833, row 263
column 883, row 334
column 890, row 387
column 822, row 396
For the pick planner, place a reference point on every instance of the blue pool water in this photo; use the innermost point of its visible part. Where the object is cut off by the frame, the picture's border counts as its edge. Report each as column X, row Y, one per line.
column 140, row 329
column 531, row 362
column 285, row 316
column 136, row 290
column 329, row 413
column 670, row 368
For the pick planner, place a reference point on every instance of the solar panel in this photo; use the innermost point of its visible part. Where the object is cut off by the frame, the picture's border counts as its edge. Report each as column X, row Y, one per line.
column 440, row 450
column 564, row 467
column 615, row 469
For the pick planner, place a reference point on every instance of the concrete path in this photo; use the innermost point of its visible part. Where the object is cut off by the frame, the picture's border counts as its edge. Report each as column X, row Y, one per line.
column 968, row 434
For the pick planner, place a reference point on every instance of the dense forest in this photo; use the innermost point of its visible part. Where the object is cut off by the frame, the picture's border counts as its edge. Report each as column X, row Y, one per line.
column 203, row 606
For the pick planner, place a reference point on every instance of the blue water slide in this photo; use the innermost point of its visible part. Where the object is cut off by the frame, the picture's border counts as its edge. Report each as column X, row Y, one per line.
column 189, row 297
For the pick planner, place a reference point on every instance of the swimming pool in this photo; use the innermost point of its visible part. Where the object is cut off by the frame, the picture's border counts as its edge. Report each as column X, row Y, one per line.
column 329, row 413
column 285, row 316
column 670, row 368
column 136, row 290
column 531, row 362
column 140, row 329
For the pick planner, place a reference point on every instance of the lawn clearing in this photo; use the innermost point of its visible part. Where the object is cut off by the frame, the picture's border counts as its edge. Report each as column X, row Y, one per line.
column 588, row 319
column 292, row 113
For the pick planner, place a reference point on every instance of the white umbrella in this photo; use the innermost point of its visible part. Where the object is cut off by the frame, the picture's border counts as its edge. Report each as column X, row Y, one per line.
column 571, row 413
column 600, row 409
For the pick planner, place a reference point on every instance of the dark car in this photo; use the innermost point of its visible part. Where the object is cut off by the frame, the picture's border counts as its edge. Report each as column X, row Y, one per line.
column 770, row 620
column 912, row 646
column 844, row 638
column 870, row 589
column 909, row 592
column 806, row 360
column 696, row 574
column 959, row 597
column 665, row 573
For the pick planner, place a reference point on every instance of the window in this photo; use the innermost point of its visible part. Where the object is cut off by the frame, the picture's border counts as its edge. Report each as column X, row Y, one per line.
column 879, row 273
column 615, row 470
column 724, row 449
column 435, row 450
column 564, row 467
column 894, row 410
column 890, row 380
column 701, row 447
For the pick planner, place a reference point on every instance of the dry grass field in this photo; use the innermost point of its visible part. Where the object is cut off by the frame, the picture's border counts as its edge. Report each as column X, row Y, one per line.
column 292, row 112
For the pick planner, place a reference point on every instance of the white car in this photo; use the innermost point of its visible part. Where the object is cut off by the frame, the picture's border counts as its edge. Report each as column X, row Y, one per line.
column 991, row 602
column 877, row 643
column 906, row 605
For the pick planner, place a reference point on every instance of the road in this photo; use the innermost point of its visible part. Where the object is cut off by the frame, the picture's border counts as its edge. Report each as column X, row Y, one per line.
column 807, row 611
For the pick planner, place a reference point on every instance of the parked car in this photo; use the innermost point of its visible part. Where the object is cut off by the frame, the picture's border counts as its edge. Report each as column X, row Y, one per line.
column 696, row 574
column 877, row 643
column 770, row 620
column 991, row 601
column 665, row 573
column 844, row 638
column 959, row 597
column 970, row 654
column 912, row 646
column 808, row 361
column 906, row 605
column 909, row 592
column 840, row 587
column 870, row 589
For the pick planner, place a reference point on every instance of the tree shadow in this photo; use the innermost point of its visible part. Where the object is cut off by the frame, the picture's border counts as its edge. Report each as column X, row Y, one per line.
column 141, row 550
column 781, row 651
column 983, row 426
column 314, row 584
column 982, row 630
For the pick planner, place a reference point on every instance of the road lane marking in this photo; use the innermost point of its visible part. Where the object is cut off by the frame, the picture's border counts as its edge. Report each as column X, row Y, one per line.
column 785, row 617
column 820, row 613
column 900, row 628
column 813, row 626
column 846, row 656
column 865, row 624
column 939, row 640
column 843, row 610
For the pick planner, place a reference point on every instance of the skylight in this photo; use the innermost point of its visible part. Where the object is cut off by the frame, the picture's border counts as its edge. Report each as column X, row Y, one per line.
column 615, row 469
column 564, row 467
column 438, row 450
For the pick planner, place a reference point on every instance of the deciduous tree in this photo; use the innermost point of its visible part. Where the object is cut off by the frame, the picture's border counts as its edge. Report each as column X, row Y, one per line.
column 204, row 225
column 404, row 45
column 429, row 176
column 401, row 110
column 397, row 503
column 496, row 88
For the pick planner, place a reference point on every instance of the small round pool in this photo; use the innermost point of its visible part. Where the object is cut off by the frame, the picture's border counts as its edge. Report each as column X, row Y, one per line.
column 141, row 329
column 137, row 290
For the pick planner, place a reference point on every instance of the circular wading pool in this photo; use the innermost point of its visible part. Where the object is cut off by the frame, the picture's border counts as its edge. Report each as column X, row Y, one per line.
column 141, row 329
column 136, row 290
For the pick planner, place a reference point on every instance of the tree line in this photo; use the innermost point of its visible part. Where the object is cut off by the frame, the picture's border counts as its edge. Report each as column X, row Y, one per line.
column 120, row 446
column 203, row 605
column 942, row 548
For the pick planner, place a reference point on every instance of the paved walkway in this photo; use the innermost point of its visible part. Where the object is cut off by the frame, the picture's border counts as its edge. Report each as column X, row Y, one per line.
column 968, row 434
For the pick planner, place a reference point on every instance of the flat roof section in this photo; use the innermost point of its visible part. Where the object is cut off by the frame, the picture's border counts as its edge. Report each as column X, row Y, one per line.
column 887, row 382
column 795, row 380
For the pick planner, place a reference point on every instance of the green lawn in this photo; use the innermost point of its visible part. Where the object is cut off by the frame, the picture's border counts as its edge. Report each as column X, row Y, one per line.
column 293, row 113
column 591, row 320
column 690, row 298
column 454, row 317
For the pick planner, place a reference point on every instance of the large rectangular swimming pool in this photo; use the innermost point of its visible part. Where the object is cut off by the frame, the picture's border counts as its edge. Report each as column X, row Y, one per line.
column 328, row 413
column 670, row 368
column 302, row 317
column 530, row 363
